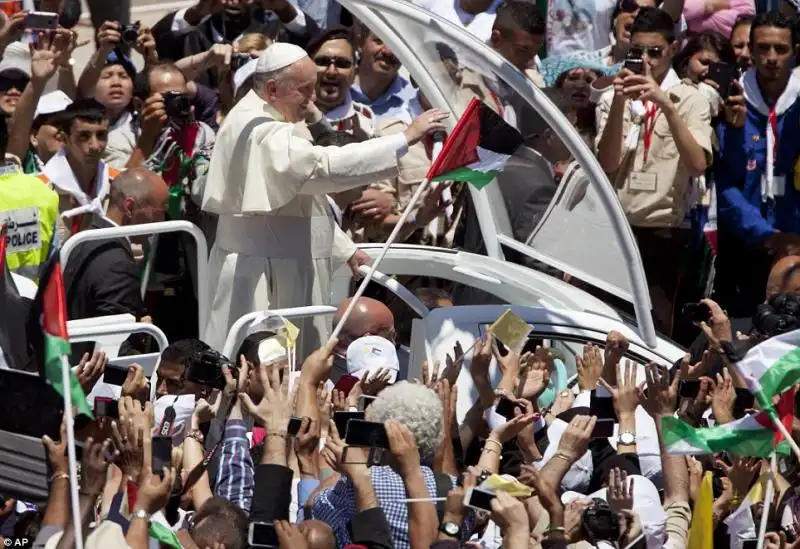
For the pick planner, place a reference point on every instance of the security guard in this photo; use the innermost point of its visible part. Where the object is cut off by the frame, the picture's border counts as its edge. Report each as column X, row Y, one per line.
column 29, row 210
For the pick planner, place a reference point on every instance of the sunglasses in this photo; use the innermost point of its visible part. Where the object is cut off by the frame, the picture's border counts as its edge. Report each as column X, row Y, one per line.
column 338, row 62
column 628, row 6
column 8, row 82
column 653, row 52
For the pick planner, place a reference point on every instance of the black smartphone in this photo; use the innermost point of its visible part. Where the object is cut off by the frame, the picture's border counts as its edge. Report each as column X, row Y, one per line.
column 262, row 534
column 294, row 426
column 479, row 499
column 604, row 428
column 29, row 406
column 162, row 454
column 636, row 66
column 106, row 407
column 342, row 418
column 506, row 407
column 745, row 400
column 689, row 388
column 697, row 312
column 369, row 434
column 115, row 375
column 602, row 407
column 723, row 75
column 749, row 544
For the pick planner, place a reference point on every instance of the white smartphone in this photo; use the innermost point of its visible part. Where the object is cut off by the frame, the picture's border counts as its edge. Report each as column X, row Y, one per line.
column 41, row 20
column 262, row 534
column 478, row 499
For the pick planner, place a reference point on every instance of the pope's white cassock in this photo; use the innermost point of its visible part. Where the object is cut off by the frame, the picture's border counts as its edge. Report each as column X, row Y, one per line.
column 277, row 244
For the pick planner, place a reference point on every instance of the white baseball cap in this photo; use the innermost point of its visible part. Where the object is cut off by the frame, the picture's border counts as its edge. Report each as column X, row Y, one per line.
column 52, row 102
column 370, row 354
column 16, row 57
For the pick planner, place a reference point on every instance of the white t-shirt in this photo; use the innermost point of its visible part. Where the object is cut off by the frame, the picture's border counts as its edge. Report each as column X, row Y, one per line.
column 479, row 25
column 578, row 25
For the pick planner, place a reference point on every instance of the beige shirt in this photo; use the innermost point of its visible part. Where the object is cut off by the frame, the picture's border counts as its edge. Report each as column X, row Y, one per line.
column 653, row 193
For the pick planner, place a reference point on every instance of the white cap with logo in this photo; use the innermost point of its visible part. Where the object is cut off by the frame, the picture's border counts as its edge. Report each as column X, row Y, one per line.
column 370, row 354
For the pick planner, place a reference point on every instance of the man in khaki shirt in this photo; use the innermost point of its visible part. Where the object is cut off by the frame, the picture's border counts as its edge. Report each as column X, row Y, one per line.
column 654, row 136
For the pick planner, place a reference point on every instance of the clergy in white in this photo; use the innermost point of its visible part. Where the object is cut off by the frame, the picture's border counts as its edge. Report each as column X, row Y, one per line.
column 277, row 244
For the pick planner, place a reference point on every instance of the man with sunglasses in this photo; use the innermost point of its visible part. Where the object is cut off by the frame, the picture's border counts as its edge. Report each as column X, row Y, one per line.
column 757, row 179
column 654, row 135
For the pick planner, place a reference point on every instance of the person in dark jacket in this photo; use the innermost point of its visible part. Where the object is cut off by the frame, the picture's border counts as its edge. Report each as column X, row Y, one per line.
column 102, row 277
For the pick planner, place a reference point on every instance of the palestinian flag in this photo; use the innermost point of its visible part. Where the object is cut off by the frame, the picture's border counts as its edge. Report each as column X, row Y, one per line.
column 477, row 149
column 771, row 367
column 47, row 333
column 13, row 345
column 753, row 435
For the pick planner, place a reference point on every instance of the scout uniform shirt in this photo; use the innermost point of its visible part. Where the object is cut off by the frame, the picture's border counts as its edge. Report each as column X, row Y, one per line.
column 652, row 183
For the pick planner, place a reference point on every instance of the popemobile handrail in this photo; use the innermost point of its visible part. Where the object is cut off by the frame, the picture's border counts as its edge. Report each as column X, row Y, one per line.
column 149, row 229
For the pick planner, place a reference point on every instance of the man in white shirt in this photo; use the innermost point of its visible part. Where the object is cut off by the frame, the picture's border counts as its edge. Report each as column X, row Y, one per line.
column 476, row 16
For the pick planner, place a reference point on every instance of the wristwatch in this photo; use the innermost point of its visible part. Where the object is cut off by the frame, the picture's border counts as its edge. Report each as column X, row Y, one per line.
column 141, row 514
column 451, row 529
column 627, row 438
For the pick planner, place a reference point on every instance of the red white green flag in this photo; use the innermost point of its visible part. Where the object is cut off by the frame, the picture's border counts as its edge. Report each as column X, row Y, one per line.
column 478, row 148
column 47, row 333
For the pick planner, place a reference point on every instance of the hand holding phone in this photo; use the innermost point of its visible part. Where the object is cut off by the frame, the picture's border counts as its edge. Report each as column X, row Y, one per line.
column 162, row 454
column 262, row 534
column 369, row 434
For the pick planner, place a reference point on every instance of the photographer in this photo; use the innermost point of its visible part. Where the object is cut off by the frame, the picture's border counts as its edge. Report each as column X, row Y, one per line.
column 668, row 128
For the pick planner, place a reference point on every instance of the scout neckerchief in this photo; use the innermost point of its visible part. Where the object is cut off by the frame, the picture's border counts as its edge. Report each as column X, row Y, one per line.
column 752, row 94
column 59, row 173
column 639, row 113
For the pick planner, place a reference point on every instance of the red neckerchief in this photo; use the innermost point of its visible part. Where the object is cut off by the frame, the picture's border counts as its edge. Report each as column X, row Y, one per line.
column 649, row 124
column 773, row 122
column 185, row 137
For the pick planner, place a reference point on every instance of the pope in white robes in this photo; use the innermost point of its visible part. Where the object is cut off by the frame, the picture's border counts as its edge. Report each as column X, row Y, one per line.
column 277, row 244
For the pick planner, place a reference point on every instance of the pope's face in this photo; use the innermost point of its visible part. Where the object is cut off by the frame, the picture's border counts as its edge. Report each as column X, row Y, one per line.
column 294, row 93
column 335, row 73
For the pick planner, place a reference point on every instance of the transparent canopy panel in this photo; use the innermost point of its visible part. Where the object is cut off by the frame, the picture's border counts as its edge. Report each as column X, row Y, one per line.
column 574, row 225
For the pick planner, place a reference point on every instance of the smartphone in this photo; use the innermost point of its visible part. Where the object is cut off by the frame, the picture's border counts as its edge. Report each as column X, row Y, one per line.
column 341, row 420
column 602, row 407
column 162, row 454
column 636, row 66
column 29, row 406
column 294, row 426
column 689, row 388
column 262, row 534
column 604, row 428
column 479, row 499
column 697, row 312
column 115, row 375
column 723, row 75
column 346, row 383
column 41, row 20
column 506, row 407
column 749, row 544
column 369, row 434
column 106, row 407
column 745, row 400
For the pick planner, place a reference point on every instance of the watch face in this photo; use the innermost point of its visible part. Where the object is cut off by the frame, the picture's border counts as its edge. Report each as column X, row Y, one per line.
column 451, row 529
column 627, row 438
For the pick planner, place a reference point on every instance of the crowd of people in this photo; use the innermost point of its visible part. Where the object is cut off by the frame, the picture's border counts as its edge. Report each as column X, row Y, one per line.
column 288, row 132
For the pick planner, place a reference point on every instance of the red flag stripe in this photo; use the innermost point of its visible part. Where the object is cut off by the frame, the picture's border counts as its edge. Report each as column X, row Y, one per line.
column 55, row 306
column 460, row 149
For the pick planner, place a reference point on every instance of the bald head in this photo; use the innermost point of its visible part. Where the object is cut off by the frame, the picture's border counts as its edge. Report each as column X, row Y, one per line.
column 369, row 317
column 137, row 196
column 318, row 534
column 784, row 276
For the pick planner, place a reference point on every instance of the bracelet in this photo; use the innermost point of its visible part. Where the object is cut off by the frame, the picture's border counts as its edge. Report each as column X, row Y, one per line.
column 555, row 529
column 197, row 435
column 499, row 444
column 563, row 456
column 493, row 450
column 278, row 434
column 58, row 476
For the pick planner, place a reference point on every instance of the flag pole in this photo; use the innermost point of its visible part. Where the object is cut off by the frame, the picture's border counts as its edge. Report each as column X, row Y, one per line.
column 787, row 436
column 374, row 267
column 73, row 463
column 768, row 496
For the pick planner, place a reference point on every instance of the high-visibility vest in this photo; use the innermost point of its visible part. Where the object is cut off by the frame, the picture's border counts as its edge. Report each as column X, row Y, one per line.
column 29, row 210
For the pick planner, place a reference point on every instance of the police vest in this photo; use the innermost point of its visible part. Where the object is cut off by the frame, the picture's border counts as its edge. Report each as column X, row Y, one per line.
column 29, row 210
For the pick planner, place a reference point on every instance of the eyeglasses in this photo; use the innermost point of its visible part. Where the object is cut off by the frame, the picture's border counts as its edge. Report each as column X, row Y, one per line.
column 653, row 52
column 338, row 62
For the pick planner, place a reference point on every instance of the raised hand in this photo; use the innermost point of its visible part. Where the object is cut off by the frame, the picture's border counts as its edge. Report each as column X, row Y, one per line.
column 589, row 367
column 95, row 465
column 620, row 490
column 662, row 395
column 427, row 123
column 276, row 407
column 57, row 451
column 536, row 369
column 626, row 394
column 90, row 370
